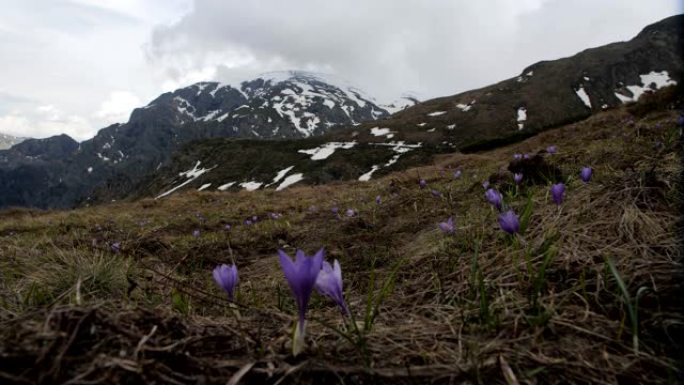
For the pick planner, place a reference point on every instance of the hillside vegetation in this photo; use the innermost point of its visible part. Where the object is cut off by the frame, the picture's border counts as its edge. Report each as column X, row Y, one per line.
column 589, row 291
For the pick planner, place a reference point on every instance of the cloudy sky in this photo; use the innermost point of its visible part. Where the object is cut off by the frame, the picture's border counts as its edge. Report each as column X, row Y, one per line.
column 75, row 66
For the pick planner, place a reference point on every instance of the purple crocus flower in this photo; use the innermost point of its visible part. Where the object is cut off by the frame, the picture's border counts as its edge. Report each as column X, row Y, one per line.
column 335, row 210
column 509, row 222
column 275, row 216
column 680, row 120
column 422, row 183
column 485, row 184
column 378, row 199
column 526, row 156
column 196, row 233
column 457, row 174
column 447, row 227
column 552, row 149
column 255, row 218
column 329, row 284
column 350, row 212
column 557, row 193
column 227, row 227
column 585, row 174
column 494, row 197
column 301, row 275
column 116, row 247
column 227, row 278
column 248, row 222
column 436, row 193
column 517, row 156
column 517, row 177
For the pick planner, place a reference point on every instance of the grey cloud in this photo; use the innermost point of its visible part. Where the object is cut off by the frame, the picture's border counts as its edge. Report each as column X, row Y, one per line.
column 435, row 47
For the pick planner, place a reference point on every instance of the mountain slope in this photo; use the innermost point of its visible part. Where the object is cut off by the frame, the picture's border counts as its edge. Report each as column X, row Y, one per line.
column 547, row 94
column 128, row 285
column 276, row 105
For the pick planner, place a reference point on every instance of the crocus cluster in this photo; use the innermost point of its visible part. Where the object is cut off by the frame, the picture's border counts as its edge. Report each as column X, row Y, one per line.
column 302, row 275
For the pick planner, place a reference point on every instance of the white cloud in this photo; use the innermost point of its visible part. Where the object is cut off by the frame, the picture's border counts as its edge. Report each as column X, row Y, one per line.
column 118, row 107
column 46, row 121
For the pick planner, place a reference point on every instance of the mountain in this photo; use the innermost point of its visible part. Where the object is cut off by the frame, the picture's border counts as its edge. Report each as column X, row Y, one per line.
column 7, row 141
column 288, row 104
column 299, row 118
column 277, row 105
column 545, row 95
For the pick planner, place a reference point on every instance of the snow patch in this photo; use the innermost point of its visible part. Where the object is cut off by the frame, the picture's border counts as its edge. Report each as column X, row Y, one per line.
column 376, row 131
column 251, row 186
column 327, row 149
column 583, row 96
column 225, row 187
column 436, row 113
column 522, row 116
column 204, row 186
column 465, row 107
column 367, row 176
column 281, row 174
column 648, row 81
column 191, row 175
column 399, row 148
column 290, row 180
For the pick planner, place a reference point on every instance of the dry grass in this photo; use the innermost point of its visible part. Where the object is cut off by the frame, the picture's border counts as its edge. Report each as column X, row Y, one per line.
column 461, row 309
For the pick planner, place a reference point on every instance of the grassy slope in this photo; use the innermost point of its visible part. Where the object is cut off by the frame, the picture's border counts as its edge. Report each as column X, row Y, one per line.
column 459, row 309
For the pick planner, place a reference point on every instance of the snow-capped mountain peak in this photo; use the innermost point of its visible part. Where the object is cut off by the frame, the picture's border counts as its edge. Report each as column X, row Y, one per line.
column 285, row 104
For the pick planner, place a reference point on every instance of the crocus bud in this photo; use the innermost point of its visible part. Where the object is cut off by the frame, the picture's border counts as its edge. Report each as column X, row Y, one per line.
column 557, row 193
column 494, row 197
column 517, row 178
column 227, row 278
column 509, row 222
column 447, row 227
column 585, row 174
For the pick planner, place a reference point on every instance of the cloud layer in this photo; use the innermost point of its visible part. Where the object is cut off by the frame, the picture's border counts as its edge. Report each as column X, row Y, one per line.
column 434, row 47
column 92, row 61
